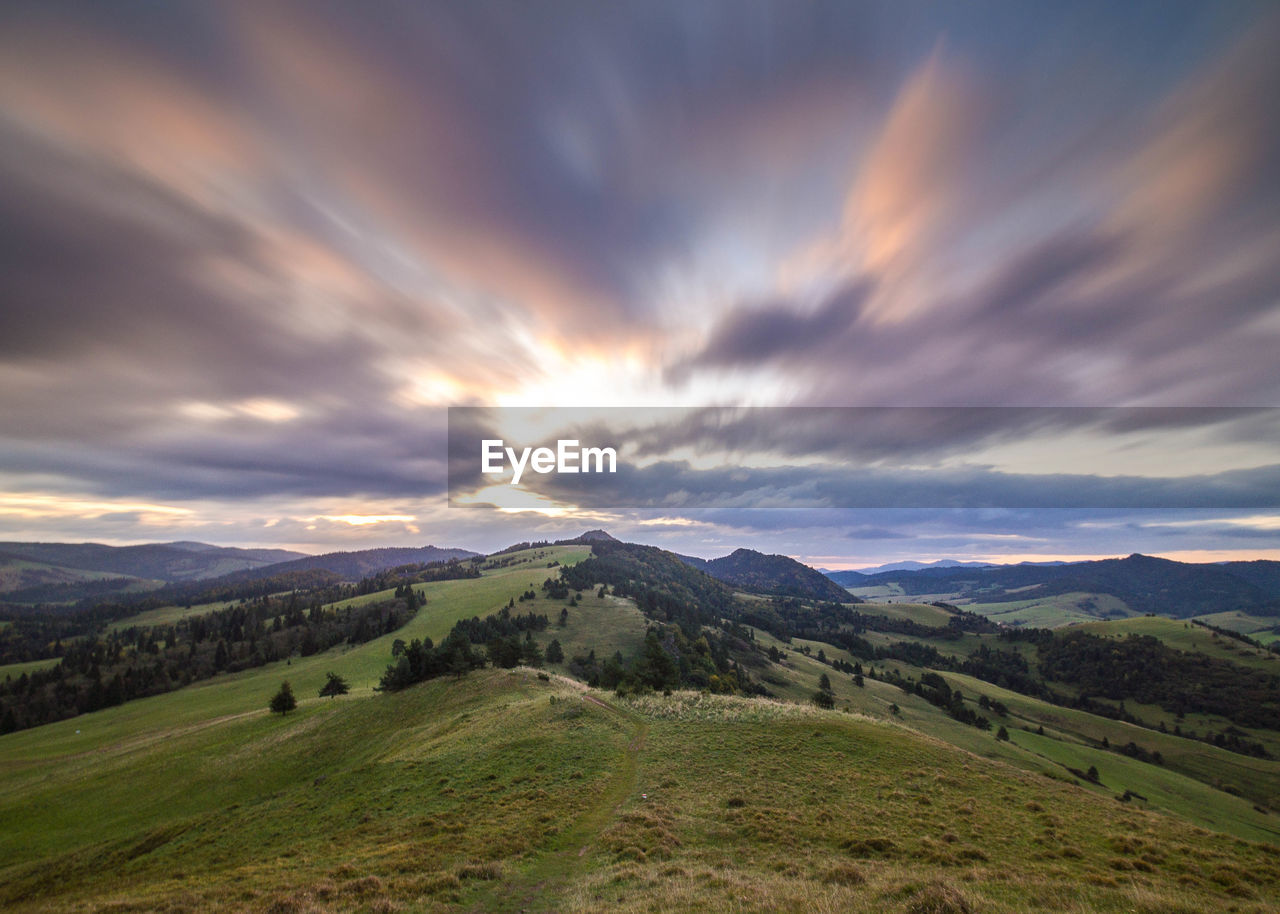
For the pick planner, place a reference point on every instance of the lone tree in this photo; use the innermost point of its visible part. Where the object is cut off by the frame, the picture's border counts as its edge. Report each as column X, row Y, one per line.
column 824, row 683
column 334, row 686
column 824, row 699
column 283, row 702
column 1002, row 734
column 555, row 653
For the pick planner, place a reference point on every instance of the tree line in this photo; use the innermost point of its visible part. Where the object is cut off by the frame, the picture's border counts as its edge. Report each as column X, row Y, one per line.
column 108, row 669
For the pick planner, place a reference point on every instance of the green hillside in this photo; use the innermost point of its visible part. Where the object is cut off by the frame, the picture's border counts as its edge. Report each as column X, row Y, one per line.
column 1053, row 611
column 525, row 790
column 1186, row 636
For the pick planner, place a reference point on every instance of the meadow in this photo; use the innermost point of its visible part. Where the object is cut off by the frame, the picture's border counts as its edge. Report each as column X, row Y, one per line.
column 524, row 790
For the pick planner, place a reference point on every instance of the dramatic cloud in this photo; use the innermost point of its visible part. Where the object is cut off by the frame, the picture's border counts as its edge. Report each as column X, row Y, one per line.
column 250, row 252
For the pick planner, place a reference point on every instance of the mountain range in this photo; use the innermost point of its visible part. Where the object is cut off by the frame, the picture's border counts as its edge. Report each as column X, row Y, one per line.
column 1146, row 584
column 63, row 572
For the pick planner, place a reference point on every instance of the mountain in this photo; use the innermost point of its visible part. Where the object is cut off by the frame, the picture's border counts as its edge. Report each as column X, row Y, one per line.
column 910, row 565
column 847, row 578
column 266, row 555
column 586, row 539
column 168, row 562
column 355, row 565
column 1144, row 583
column 773, row 574
column 19, row 574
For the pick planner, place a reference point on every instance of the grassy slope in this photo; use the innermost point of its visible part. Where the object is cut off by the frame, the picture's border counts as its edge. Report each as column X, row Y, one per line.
column 249, row 691
column 1188, row 784
column 16, row 573
column 17, row 669
column 824, row 811
column 168, row 615
column 506, row 792
column 1053, row 611
column 1184, row 636
column 489, row 795
column 1265, row 629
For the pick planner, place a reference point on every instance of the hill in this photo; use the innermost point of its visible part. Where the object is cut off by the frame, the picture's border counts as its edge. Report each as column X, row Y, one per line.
column 18, row 574
column 930, row 784
column 586, row 539
column 1143, row 583
column 168, row 562
column 503, row 791
column 774, row 574
column 352, row 565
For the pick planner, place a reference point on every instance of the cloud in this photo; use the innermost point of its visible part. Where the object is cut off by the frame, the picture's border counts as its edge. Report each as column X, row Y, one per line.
column 249, row 252
column 776, row 332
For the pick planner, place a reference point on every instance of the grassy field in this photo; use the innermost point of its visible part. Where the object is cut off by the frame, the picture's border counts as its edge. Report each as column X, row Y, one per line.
column 524, row 791
column 1053, row 611
column 913, row 612
column 248, row 691
column 1183, row 636
column 1265, row 629
column 168, row 615
column 1214, row 770
column 17, row 669
column 507, row 792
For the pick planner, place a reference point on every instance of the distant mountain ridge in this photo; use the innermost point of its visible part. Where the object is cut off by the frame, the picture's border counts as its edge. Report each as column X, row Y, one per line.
column 355, row 565
column 169, row 562
column 1146, row 584
column 65, row 572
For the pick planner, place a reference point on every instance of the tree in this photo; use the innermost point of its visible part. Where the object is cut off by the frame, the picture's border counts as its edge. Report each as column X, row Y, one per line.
column 1092, row 773
column 1002, row 734
column 334, row 686
column 283, row 702
column 824, row 699
column 824, row 683
column 530, row 653
column 555, row 653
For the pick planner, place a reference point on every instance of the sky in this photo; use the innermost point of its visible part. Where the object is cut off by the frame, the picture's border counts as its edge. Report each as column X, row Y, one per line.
column 253, row 252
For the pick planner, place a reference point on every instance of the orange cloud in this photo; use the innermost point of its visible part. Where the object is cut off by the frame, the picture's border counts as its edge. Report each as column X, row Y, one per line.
column 1206, row 140
column 905, row 193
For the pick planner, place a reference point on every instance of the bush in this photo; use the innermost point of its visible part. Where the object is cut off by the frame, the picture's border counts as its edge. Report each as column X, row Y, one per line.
column 283, row 701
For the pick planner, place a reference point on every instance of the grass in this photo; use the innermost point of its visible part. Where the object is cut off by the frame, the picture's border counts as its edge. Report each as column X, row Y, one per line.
column 603, row 624
column 524, row 791
column 508, row 791
column 249, row 691
column 812, row 810
column 1202, row 772
column 1053, row 611
column 168, row 615
column 30, row 666
column 1183, row 636
column 1210, row 769
column 1264, row 629
column 913, row 612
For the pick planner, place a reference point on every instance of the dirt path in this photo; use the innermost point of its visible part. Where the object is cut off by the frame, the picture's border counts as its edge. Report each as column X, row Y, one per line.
column 539, row 884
